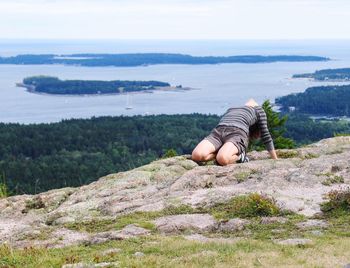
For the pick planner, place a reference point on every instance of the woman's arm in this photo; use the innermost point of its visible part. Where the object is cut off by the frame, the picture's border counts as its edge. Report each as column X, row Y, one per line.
column 273, row 154
column 265, row 133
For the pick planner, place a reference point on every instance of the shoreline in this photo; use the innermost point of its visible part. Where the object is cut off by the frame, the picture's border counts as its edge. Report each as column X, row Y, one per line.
column 31, row 89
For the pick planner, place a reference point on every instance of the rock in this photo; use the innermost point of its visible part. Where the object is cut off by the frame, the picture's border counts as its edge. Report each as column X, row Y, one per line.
column 347, row 266
column 271, row 220
column 179, row 223
column 316, row 232
column 312, row 223
column 129, row 231
column 64, row 237
column 294, row 242
column 133, row 230
column 204, row 239
column 233, row 225
column 295, row 183
column 139, row 254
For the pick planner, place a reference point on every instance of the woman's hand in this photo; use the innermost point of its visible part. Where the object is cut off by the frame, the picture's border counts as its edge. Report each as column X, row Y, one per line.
column 273, row 154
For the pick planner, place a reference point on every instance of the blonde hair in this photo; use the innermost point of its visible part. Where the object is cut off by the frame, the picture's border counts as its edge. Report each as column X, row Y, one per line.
column 252, row 103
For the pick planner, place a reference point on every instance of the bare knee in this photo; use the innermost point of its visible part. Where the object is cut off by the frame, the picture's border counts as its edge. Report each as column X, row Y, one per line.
column 225, row 160
column 198, row 155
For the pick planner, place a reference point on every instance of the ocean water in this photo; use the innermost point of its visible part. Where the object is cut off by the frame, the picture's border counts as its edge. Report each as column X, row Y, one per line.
column 215, row 87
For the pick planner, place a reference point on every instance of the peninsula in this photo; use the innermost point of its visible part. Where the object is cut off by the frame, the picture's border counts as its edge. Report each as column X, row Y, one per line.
column 144, row 59
column 53, row 85
column 323, row 100
column 341, row 74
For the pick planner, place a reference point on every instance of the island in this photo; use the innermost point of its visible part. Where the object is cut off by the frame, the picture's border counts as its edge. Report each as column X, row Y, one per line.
column 341, row 74
column 144, row 59
column 53, row 85
column 323, row 100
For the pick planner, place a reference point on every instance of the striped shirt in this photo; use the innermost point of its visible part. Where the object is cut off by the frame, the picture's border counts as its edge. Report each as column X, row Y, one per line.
column 245, row 117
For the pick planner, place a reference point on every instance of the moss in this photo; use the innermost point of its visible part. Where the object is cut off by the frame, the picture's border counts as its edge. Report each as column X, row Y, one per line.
column 246, row 206
column 287, row 154
column 35, row 203
column 43, row 234
column 92, row 226
column 277, row 230
column 244, row 175
column 336, row 151
column 332, row 179
column 142, row 219
column 310, row 156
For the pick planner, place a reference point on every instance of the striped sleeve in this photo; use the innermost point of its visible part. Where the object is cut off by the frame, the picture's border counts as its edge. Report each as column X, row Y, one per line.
column 265, row 133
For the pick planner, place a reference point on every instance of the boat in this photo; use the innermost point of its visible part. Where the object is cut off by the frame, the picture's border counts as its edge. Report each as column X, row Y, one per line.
column 128, row 103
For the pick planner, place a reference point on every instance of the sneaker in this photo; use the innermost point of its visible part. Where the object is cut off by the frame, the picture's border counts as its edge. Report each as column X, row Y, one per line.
column 243, row 158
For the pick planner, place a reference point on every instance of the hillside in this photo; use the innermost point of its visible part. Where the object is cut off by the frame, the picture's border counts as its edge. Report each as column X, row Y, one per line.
column 174, row 211
column 322, row 100
column 84, row 150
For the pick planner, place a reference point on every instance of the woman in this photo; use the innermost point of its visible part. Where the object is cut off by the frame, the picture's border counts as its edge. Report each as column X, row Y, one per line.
column 228, row 141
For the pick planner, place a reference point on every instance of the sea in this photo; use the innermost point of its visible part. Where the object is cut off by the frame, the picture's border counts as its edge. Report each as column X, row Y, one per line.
column 214, row 88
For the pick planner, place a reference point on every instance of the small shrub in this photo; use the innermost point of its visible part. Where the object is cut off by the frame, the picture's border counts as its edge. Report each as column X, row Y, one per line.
column 170, row 153
column 246, row 206
column 339, row 200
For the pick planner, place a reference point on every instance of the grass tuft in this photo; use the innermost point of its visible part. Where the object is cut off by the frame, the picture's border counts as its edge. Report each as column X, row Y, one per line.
column 246, row 206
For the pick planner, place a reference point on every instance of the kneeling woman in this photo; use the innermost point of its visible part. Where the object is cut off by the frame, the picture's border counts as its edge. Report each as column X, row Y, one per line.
column 228, row 141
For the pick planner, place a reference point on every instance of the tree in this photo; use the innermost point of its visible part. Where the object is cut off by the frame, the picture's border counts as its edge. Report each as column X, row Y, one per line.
column 276, row 125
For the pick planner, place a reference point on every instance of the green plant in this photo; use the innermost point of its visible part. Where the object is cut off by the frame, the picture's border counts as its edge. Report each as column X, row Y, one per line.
column 246, row 206
column 170, row 153
column 287, row 154
column 35, row 203
column 339, row 200
column 332, row 179
column 341, row 134
column 3, row 187
column 276, row 125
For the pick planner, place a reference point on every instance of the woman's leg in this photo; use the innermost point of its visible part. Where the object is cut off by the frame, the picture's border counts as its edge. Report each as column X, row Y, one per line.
column 204, row 151
column 227, row 154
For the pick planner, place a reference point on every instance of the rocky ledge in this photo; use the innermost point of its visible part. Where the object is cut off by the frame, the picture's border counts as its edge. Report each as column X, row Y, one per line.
column 298, row 182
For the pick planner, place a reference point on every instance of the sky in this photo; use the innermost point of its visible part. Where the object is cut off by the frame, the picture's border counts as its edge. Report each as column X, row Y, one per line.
column 174, row 19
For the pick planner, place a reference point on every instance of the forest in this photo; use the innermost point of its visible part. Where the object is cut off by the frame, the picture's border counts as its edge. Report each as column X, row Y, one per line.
column 142, row 59
column 53, row 85
column 340, row 74
column 39, row 157
column 323, row 100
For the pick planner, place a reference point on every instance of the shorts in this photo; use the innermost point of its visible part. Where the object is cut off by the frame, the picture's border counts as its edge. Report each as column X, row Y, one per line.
column 222, row 134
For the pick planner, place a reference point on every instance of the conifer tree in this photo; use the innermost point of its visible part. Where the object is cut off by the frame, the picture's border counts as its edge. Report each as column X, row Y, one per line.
column 276, row 125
